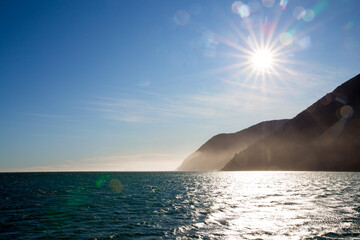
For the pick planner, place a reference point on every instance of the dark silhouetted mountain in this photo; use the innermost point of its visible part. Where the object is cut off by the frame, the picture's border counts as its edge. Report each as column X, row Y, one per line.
column 217, row 151
column 324, row 137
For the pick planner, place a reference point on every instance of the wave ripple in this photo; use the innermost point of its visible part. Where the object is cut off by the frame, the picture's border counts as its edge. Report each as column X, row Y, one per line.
column 182, row 205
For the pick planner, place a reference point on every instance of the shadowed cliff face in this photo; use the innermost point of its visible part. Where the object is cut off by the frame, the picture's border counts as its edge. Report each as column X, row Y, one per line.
column 216, row 152
column 326, row 137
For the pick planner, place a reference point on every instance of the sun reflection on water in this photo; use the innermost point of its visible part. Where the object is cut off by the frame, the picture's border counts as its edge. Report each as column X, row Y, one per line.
column 272, row 205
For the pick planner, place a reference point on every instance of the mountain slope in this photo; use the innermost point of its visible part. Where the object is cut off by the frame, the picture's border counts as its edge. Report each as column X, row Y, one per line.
column 325, row 136
column 217, row 151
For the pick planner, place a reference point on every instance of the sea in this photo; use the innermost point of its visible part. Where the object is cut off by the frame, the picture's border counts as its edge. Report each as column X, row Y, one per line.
column 180, row 205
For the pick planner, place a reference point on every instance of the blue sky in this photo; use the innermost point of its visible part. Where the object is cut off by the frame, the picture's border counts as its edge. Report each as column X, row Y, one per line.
column 139, row 85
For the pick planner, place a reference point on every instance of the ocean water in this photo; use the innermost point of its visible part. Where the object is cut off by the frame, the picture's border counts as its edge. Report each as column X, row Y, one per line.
column 180, row 205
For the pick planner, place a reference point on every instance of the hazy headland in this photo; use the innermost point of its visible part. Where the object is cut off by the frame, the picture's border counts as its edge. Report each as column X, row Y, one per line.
column 323, row 137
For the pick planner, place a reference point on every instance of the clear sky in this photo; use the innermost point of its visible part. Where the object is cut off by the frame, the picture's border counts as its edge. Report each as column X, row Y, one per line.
column 139, row 85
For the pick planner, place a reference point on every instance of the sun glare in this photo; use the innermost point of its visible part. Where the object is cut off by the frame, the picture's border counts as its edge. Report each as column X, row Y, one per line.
column 264, row 47
column 262, row 60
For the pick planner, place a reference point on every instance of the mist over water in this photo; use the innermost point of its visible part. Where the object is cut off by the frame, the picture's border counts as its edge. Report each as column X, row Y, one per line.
column 204, row 205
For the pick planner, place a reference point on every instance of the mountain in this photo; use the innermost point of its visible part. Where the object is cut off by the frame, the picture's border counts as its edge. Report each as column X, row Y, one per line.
column 217, row 151
column 324, row 137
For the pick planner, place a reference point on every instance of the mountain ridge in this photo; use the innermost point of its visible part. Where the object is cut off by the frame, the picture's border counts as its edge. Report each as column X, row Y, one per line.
column 214, row 153
column 323, row 137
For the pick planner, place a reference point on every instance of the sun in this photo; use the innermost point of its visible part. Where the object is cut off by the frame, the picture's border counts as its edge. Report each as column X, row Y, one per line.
column 262, row 60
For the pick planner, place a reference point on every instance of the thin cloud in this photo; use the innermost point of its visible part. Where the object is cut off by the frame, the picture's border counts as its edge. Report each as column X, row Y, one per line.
column 141, row 111
column 128, row 157
column 136, row 162
column 55, row 117
column 45, row 115
column 202, row 105
column 236, row 97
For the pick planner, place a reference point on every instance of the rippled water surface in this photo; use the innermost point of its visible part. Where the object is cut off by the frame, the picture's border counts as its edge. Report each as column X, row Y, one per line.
column 206, row 205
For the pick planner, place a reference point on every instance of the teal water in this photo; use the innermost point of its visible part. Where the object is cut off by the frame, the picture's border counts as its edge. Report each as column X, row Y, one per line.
column 180, row 205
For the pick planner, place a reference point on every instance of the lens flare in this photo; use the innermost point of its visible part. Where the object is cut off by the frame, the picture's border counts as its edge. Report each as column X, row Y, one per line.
column 244, row 11
column 286, row 39
column 116, row 185
column 346, row 111
column 240, row 8
column 308, row 15
column 283, row 4
column 182, row 17
column 298, row 13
